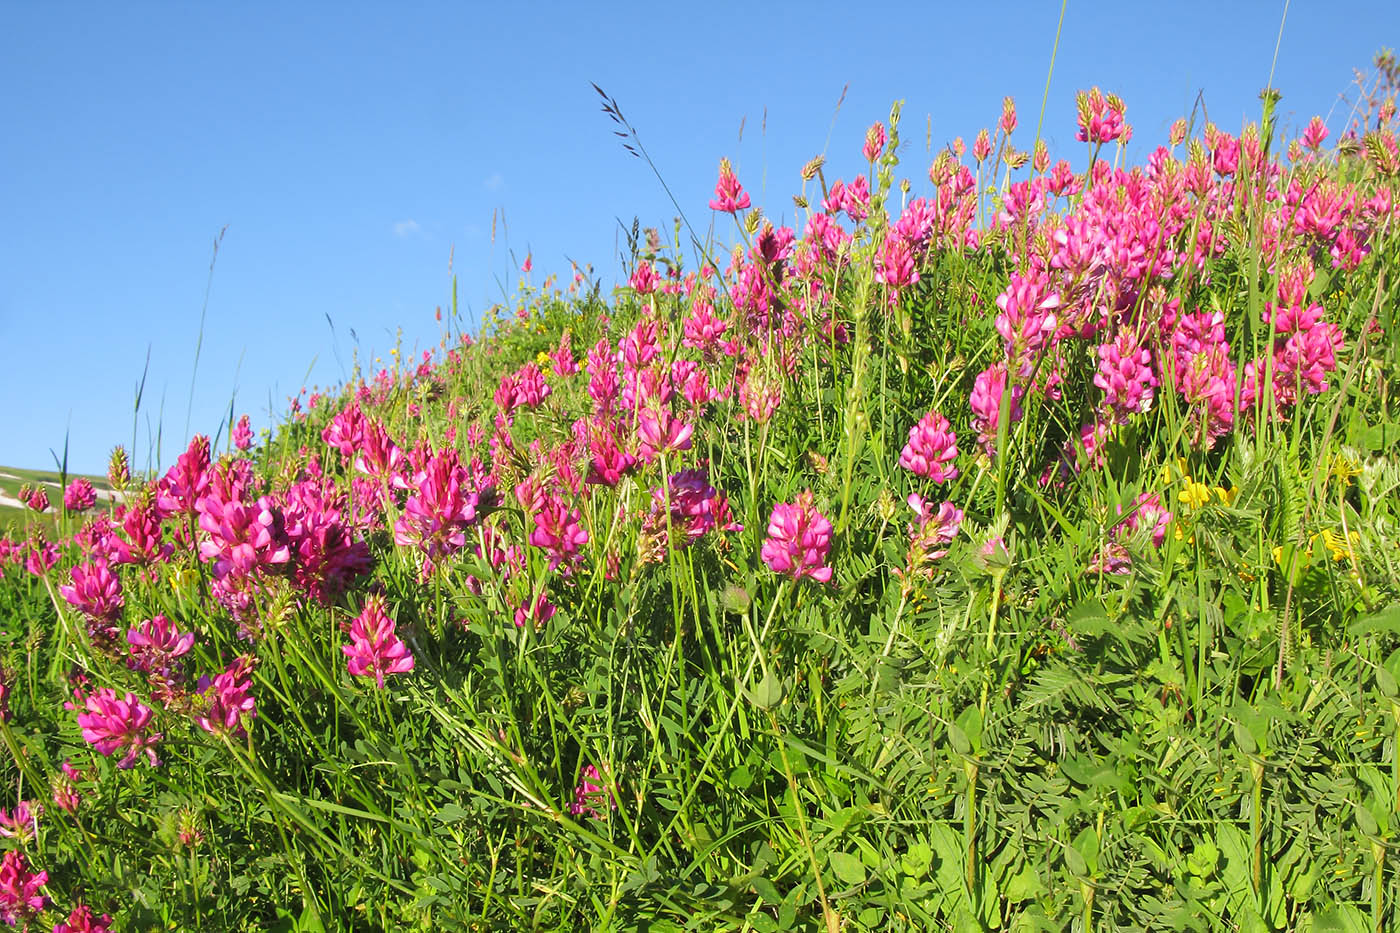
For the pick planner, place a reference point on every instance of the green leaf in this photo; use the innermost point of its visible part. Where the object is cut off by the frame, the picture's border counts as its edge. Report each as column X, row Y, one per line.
column 970, row 721
column 767, row 694
column 1385, row 622
column 1341, row 918
column 916, row 862
column 1023, row 885
column 849, row 868
column 1087, row 845
column 1088, row 617
column 1203, row 859
column 959, row 740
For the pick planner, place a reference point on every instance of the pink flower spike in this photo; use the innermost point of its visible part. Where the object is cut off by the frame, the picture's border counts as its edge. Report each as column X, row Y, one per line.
column 243, row 434
column 230, row 699
column 79, row 496
column 1315, row 134
column 81, row 920
column 874, row 142
column 22, row 823
column 111, row 724
column 799, row 539
column 931, row 450
column 374, row 647
column 730, row 196
column 20, row 899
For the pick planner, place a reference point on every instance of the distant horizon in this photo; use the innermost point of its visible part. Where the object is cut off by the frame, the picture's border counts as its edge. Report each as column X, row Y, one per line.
column 346, row 157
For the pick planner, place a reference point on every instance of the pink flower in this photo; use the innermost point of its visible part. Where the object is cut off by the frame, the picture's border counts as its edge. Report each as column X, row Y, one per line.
column 644, row 278
column 79, row 496
column 244, row 537
column 933, row 529
column 155, row 646
column 378, row 457
column 243, row 434
column 1027, row 321
column 229, row 699
column 96, row 592
column 535, row 611
column 143, row 544
column 374, row 648
column 563, row 357
column 982, row 145
column 874, row 142
column 1100, row 117
column 1147, row 511
column 38, row 500
column 659, row 431
column 81, row 920
column 1008, row 115
column 445, row 501
column 1315, row 134
column 729, row 197
column 602, row 376
column 591, row 796
column 530, row 387
column 985, row 402
column 20, row 899
column 799, row 539
column 346, row 430
column 1125, row 374
column 111, row 724
column 325, row 555
column 558, row 533
column 895, row 267
column 696, row 508
column 22, row 823
column 65, row 788
column 931, row 449
column 185, row 482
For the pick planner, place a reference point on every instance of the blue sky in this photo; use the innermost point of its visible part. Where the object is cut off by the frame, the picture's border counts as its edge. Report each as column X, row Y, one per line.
column 349, row 149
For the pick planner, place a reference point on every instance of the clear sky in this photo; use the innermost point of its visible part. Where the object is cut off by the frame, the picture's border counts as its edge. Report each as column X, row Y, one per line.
column 349, row 149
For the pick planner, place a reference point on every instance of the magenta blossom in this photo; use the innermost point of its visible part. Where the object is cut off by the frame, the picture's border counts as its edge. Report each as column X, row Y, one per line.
column 591, row 796
column 38, row 500
column 79, row 496
column 155, row 645
column 20, row 899
column 21, row 823
column 229, row 699
column 82, row 920
column 730, row 196
column 243, row 434
column 799, row 538
column 931, row 450
column 96, row 592
column 112, row 723
column 375, row 649
column 185, row 482
column 558, row 533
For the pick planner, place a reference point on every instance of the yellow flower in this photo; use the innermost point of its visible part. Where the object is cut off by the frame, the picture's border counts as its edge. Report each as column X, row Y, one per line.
column 1195, row 494
column 1338, row 545
column 182, row 578
column 1344, row 468
column 1227, row 496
